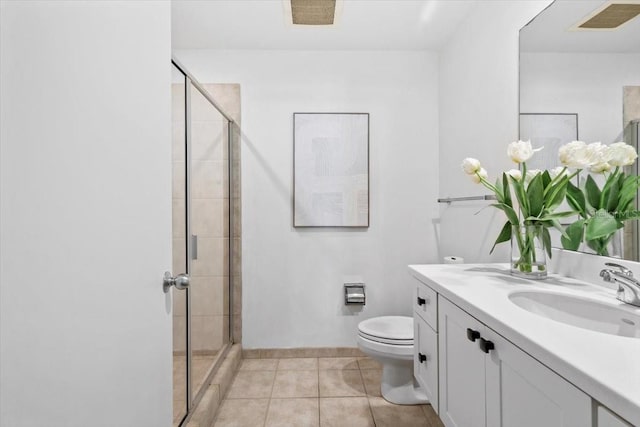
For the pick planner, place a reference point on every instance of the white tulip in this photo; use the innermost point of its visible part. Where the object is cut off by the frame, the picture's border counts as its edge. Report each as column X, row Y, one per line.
column 572, row 154
column 578, row 155
column 515, row 174
column 598, row 153
column 531, row 174
column 622, row 154
column 521, row 151
column 557, row 171
column 470, row 165
column 482, row 173
column 600, row 167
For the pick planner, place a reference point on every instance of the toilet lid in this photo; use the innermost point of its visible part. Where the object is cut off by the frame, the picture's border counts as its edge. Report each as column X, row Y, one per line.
column 388, row 329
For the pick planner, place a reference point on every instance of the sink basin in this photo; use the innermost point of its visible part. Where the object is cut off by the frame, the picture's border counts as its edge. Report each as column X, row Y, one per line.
column 580, row 312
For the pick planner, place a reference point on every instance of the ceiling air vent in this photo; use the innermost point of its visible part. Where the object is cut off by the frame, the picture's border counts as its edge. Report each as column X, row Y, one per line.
column 611, row 16
column 313, row 12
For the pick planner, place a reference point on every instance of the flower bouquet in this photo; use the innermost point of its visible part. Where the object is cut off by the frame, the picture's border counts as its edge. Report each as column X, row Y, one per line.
column 602, row 210
column 529, row 199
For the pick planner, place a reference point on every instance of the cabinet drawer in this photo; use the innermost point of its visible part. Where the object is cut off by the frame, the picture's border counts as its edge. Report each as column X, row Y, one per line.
column 425, row 361
column 425, row 304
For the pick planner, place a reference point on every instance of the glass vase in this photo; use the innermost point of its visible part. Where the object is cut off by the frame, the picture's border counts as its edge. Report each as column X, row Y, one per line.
column 528, row 257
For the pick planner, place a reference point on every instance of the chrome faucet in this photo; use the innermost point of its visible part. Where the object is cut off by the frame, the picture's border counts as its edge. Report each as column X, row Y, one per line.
column 628, row 286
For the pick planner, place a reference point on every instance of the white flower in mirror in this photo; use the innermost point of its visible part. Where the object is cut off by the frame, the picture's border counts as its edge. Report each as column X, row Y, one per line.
column 521, row 151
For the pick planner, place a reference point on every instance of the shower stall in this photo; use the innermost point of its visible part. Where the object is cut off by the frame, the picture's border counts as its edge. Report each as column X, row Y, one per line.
column 206, row 232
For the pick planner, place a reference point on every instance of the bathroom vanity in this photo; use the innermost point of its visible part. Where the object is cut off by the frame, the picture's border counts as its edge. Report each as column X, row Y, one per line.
column 495, row 350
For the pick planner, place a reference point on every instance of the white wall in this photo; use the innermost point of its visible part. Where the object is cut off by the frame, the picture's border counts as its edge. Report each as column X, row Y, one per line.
column 292, row 278
column 478, row 118
column 589, row 84
column 85, row 214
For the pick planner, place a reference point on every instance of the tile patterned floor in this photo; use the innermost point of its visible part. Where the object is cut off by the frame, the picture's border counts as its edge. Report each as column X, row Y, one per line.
column 315, row 392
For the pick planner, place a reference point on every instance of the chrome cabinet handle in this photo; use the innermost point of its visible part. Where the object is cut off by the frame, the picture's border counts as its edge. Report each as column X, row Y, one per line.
column 181, row 282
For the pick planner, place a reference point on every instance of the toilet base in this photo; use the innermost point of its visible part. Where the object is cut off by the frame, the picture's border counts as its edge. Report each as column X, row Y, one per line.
column 398, row 385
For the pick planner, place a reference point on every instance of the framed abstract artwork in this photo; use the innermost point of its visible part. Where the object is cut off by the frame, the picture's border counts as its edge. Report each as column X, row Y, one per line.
column 549, row 131
column 331, row 170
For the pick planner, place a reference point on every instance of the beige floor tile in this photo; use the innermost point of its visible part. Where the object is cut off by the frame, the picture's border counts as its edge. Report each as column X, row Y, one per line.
column 338, row 363
column 368, row 363
column 345, row 412
column 371, row 378
column 295, row 384
column 387, row 414
column 259, row 365
column 293, row 412
column 432, row 418
column 341, row 383
column 251, row 385
column 298, row 364
column 242, row 413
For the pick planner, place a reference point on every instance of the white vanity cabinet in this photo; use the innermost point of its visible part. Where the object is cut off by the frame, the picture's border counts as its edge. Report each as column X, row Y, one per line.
column 485, row 380
column 425, row 342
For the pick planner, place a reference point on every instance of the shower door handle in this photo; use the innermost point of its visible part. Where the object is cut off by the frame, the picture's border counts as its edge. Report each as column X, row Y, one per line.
column 181, row 281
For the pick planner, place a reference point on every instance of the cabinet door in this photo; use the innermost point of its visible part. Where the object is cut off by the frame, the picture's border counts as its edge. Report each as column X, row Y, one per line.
column 462, row 368
column 521, row 392
column 425, row 360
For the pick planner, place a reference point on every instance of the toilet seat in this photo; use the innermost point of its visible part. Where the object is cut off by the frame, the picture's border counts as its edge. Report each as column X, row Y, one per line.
column 393, row 330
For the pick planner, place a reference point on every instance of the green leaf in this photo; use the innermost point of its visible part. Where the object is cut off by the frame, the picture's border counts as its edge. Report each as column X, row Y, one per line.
column 573, row 235
column 628, row 192
column 593, row 192
column 506, row 190
column 546, row 241
column 499, row 191
column 518, row 189
column 512, row 216
column 600, row 225
column 555, row 215
column 612, row 197
column 556, row 194
column 546, row 180
column 556, row 224
column 535, row 194
column 504, row 236
column 576, row 199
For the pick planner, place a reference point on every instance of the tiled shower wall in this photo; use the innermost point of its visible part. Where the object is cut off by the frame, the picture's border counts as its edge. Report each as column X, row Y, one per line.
column 209, row 219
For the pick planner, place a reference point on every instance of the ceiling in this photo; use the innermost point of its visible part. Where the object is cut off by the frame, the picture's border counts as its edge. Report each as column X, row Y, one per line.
column 361, row 25
column 550, row 31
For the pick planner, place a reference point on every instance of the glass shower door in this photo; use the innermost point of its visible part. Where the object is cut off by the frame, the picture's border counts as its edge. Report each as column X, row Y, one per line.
column 209, row 236
column 201, row 236
column 179, row 249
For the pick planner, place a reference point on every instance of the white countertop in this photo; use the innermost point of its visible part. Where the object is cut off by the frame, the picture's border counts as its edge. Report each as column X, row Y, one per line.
column 606, row 367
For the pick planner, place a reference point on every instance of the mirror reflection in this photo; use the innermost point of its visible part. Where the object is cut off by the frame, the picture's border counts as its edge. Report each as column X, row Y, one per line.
column 580, row 80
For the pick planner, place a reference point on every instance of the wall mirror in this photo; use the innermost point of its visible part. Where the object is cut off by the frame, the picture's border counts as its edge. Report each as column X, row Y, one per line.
column 571, row 65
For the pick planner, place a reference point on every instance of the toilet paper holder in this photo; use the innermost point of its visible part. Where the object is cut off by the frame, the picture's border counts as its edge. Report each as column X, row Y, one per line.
column 354, row 294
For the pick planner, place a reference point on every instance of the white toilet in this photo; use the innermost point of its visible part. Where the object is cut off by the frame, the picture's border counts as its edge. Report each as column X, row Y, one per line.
column 389, row 340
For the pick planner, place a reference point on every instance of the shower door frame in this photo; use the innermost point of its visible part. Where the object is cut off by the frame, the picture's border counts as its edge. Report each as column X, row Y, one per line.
column 191, row 400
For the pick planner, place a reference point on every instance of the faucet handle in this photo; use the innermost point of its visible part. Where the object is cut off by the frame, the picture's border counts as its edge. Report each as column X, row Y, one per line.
column 624, row 270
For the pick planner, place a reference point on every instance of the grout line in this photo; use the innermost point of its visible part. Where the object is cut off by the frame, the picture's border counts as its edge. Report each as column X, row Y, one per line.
column 273, row 384
column 367, row 396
